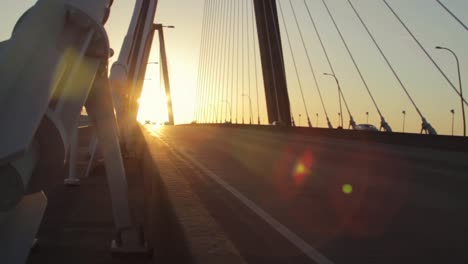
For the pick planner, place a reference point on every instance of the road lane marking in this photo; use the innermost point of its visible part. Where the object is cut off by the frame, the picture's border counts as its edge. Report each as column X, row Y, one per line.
column 307, row 249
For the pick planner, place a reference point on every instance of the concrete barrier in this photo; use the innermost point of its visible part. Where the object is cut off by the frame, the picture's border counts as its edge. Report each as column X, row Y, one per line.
column 451, row 143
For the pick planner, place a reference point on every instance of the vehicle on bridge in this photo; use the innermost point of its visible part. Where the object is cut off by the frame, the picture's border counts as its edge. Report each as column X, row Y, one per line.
column 366, row 127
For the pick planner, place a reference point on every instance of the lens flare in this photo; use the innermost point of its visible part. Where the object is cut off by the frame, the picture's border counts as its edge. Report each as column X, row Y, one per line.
column 302, row 167
column 347, row 189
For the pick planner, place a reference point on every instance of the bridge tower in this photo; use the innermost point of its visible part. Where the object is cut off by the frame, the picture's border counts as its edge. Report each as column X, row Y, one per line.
column 271, row 53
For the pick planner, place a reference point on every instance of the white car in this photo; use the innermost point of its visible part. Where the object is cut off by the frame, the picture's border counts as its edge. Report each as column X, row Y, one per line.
column 366, row 127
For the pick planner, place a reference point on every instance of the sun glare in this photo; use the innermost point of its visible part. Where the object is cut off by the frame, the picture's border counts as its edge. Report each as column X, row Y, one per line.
column 152, row 105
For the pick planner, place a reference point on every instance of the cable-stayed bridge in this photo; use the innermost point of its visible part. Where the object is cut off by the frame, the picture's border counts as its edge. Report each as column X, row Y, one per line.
column 266, row 172
column 233, row 71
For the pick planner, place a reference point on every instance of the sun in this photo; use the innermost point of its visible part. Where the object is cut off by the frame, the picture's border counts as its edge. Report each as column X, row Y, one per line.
column 152, row 105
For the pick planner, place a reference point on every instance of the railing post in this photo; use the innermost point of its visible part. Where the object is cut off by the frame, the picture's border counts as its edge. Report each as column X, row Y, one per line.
column 73, row 179
column 101, row 110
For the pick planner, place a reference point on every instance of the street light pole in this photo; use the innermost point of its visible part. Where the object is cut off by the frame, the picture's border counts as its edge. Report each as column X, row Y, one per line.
column 460, row 86
column 453, row 119
column 250, row 107
column 340, row 117
column 339, row 95
column 404, row 119
column 230, row 110
column 367, row 117
column 316, row 114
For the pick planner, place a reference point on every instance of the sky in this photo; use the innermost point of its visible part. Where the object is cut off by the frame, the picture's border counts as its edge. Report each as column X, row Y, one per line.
column 430, row 23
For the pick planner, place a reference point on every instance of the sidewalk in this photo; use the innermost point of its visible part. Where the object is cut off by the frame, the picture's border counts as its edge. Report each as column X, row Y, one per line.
column 78, row 225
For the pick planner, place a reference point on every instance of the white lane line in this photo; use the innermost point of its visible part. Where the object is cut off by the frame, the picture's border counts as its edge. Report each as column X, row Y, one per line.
column 307, row 249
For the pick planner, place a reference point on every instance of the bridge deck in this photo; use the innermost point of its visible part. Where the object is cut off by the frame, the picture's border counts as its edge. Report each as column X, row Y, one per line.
column 330, row 199
column 232, row 195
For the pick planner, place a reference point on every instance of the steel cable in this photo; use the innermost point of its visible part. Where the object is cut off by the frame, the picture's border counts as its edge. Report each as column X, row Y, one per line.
column 423, row 49
column 294, row 59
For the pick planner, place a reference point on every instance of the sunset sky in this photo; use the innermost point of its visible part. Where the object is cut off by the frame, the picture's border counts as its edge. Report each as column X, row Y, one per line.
column 432, row 25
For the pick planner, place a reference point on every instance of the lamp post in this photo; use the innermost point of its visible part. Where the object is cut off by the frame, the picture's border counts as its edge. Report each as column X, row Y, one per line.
column 250, row 107
column 300, row 119
column 460, row 85
column 317, row 115
column 404, row 120
column 367, row 117
column 340, row 117
column 339, row 95
column 453, row 119
column 230, row 110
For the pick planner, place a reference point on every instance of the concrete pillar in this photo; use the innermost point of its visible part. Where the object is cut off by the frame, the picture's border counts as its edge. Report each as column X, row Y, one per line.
column 271, row 53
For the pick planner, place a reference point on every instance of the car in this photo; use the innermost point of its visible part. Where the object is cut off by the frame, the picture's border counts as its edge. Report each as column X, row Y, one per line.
column 366, row 127
column 277, row 123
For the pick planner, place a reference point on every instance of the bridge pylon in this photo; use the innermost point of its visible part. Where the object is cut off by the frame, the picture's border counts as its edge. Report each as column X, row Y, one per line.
column 271, row 54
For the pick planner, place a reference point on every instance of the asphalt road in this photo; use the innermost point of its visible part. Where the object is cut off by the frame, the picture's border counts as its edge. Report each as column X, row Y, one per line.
column 286, row 198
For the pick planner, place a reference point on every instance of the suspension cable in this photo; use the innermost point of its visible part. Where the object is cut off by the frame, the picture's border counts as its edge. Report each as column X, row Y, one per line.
column 218, row 82
column 231, row 59
column 243, row 56
column 228, row 70
column 255, row 59
column 218, row 86
column 294, row 61
column 209, row 72
column 308, row 60
column 233, row 11
column 314, row 76
column 224, row 60
column 248, row 59
column 202, row 66
column 353, row 60
column 215, row 65
column 452, row 14
column 208, row 63
column 237, row 61
column 424, row 50
column 385, row 58
column 200, row 62
column 327, row 57
column 218, row 63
